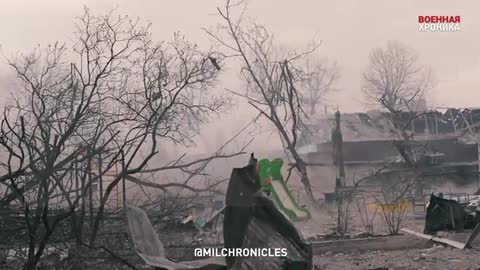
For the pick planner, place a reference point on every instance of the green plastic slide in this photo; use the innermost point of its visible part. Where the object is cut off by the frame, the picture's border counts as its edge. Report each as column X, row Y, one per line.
column 272, row 182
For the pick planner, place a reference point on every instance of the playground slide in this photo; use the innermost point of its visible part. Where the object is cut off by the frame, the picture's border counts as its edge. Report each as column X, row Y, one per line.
column 286, row 199
column 271, row 180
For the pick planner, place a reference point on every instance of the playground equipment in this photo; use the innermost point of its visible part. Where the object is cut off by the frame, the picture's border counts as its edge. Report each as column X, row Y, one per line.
column 272, row 182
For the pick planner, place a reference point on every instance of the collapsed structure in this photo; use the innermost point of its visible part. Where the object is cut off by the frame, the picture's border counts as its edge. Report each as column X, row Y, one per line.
column 445, row 141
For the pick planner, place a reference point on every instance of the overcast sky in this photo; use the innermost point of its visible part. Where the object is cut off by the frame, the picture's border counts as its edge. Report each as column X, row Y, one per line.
column 348, row 30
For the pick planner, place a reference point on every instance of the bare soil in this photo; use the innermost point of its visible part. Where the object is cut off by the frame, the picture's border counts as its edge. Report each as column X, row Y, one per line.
column 438, row 257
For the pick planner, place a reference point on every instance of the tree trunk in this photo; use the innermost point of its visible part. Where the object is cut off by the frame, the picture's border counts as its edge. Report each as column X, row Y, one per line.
column 306, row 182
column 31, row 263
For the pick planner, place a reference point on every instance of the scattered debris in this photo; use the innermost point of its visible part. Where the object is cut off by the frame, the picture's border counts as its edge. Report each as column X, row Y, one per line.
column 443, row 214
column 151, row 250
column 250, row 218
column 432, row 249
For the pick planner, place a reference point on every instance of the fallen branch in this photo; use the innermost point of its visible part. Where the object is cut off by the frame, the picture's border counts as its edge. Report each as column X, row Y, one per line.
column 169, row 185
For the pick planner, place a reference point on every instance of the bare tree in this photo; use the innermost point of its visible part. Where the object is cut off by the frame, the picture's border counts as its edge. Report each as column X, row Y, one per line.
column 344, row 215
column 273, row 80
column 366, row 217
column 321, row 80
column 395, row 81
column 116, row 93
column 394, row 201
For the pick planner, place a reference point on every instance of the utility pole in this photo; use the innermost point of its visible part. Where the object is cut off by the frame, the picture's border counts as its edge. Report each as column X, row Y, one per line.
column 100, row 174
column 337, row 143
column 340, row 191
column 124, row 194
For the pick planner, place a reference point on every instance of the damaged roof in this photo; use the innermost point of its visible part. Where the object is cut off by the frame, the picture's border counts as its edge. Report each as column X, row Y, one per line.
column 375, row 126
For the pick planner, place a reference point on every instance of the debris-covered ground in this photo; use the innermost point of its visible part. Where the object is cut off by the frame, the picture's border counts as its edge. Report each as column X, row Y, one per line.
column 437, row 257
column 323, row 222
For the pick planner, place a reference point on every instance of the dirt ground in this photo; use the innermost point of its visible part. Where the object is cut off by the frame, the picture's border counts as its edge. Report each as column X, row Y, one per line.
column 438, row 257
column 323, row 222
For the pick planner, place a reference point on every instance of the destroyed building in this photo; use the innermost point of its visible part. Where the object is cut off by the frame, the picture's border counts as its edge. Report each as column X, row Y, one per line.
column 445, row 142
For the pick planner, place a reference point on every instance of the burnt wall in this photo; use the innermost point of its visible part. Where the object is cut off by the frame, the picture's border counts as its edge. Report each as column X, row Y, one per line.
column 454, row 150
column 368, row 151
